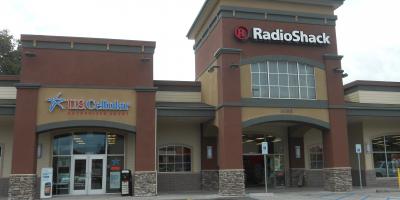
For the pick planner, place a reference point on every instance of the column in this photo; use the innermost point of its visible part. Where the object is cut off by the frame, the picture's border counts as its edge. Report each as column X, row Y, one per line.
column 230, row 148
column 22, row 183
column 145, row 175
column 337, row 170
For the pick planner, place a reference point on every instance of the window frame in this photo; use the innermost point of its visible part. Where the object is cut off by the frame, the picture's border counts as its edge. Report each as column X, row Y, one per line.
column 312, row 155
column 175, row 145
column 267, row 64
column 385, row 152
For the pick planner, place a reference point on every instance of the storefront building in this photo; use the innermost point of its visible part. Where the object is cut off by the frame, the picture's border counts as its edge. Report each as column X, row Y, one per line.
column 265, row 71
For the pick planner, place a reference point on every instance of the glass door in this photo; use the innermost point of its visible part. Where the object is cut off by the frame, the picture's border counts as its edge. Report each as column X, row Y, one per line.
column 79, row 175
column 97, row 174
column 88, row 174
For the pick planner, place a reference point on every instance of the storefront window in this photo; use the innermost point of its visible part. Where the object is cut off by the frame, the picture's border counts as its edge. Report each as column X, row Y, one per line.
column 89, row 143
column 316, row 157
column 283, row 80
column 174, row 158
column 386, row 153
column 62, row 145
column 79, row 147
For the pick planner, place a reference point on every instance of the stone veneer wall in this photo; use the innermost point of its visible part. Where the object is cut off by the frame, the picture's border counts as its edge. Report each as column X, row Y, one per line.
column 4, row 187
column 373, row 181
column 209, row 180
column 231, row 182
column 337, row 179
column 178, row 182
column 145, row 184
column 22, row 186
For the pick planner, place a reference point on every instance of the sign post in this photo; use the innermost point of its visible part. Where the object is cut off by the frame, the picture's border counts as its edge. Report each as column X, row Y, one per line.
column 358, row 152
column 264, row 148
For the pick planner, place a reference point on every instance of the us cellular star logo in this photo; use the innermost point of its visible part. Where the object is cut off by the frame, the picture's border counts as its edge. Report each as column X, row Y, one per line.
column 56, row 102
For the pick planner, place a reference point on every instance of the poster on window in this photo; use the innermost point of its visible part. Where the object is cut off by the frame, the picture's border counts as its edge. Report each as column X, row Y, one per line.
column 115, row 180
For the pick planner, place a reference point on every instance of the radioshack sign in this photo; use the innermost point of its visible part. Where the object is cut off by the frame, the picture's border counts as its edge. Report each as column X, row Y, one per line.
column 279, row 35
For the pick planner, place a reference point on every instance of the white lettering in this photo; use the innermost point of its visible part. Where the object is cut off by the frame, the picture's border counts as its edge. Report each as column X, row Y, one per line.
column 294, row 36
column 257, row 33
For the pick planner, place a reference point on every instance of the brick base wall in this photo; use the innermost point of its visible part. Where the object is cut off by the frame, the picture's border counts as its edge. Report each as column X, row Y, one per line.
column 231, row 182
column 145, row 184
column 373, row 181
column 337, row 179
column 314, row 178
column 209, row 180
column 167, row 182
column 22, row 186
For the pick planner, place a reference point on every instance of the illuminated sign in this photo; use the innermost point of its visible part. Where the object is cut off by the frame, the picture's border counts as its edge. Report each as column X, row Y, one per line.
column 86, row 104
column 279, row 35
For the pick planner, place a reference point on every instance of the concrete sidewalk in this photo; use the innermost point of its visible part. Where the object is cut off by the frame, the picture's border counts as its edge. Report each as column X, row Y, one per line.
column 257, row 194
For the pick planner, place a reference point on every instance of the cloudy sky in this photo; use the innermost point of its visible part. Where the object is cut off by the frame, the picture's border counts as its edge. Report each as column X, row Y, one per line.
column 368, row 32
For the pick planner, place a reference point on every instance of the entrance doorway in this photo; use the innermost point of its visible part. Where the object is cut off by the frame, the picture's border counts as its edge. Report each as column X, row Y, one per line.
column 88, row 172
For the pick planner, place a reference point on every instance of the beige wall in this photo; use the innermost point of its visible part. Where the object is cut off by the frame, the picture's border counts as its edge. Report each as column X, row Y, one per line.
column 130, row 142
column 6, row 130
column 45, row 160
column 180, row 132
column 8, row 93
column 373, row 128
column 311, row 138
column 245, row 81
column 252, row 113
column 209, row 87
column 44, row 116
column 172, row 96
column 380, row 97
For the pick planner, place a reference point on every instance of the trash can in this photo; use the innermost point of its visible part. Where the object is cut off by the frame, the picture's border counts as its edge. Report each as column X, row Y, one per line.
column 126, row 182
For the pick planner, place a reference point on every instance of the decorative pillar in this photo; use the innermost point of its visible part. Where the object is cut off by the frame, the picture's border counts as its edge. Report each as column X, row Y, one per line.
column 337, row 170
column 145, row 176
column 230, row 148
column 22, row 183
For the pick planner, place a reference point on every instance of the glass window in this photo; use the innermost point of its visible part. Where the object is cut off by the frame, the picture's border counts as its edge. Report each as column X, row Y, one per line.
column 316, row 157
column 115, row 144
column 114, row 166
column 62, row 145
column 386, row 153
column 61, row 176
column 282, row 79
column 174, row 158
column 89, row 143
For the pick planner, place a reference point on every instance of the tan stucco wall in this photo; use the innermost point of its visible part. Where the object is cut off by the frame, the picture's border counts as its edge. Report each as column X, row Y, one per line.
column 179, row 132
column 209, row 87
column 6, row 130
column 311, row 138
column 373, row 128
column 44, row 116
column 252, row 113
column 380, row 97
column 245, row 82
column 45, row 160
column 173, row 96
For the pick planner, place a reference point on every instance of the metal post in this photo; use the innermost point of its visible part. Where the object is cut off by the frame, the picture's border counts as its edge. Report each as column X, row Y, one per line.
column 359, row 169
column 265, row 172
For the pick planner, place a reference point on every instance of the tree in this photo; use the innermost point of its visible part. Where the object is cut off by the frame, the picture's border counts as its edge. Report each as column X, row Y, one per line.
column 10, row 54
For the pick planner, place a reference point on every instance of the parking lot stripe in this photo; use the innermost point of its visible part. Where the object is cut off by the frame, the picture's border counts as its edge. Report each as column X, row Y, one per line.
column 364, row 197
column 345, row 196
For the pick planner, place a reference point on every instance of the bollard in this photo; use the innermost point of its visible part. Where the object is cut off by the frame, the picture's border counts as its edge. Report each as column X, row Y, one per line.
column 398, row 176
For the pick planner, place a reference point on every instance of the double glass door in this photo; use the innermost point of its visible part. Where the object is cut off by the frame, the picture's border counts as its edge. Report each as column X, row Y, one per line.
column 88, row 174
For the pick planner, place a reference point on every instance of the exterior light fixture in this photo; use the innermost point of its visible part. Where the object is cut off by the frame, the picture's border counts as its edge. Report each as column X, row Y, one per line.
column 341, row 71
column 212, row 68
column 234, row 66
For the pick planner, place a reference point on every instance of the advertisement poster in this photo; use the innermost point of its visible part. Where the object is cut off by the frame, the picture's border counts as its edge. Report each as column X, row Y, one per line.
column 115, row 180
column 46, row 184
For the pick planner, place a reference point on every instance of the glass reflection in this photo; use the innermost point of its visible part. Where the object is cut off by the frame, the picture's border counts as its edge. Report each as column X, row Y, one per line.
column 89, row 143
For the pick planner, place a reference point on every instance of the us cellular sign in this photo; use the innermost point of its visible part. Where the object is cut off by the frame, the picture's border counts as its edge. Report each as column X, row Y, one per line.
column 279, row 35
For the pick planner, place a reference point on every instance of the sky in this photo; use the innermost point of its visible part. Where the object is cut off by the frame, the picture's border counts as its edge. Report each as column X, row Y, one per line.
column 368, row 32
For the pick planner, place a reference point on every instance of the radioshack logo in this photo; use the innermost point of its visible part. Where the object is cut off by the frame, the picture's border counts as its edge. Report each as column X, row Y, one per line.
column 241, row 33
column 279, row 35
